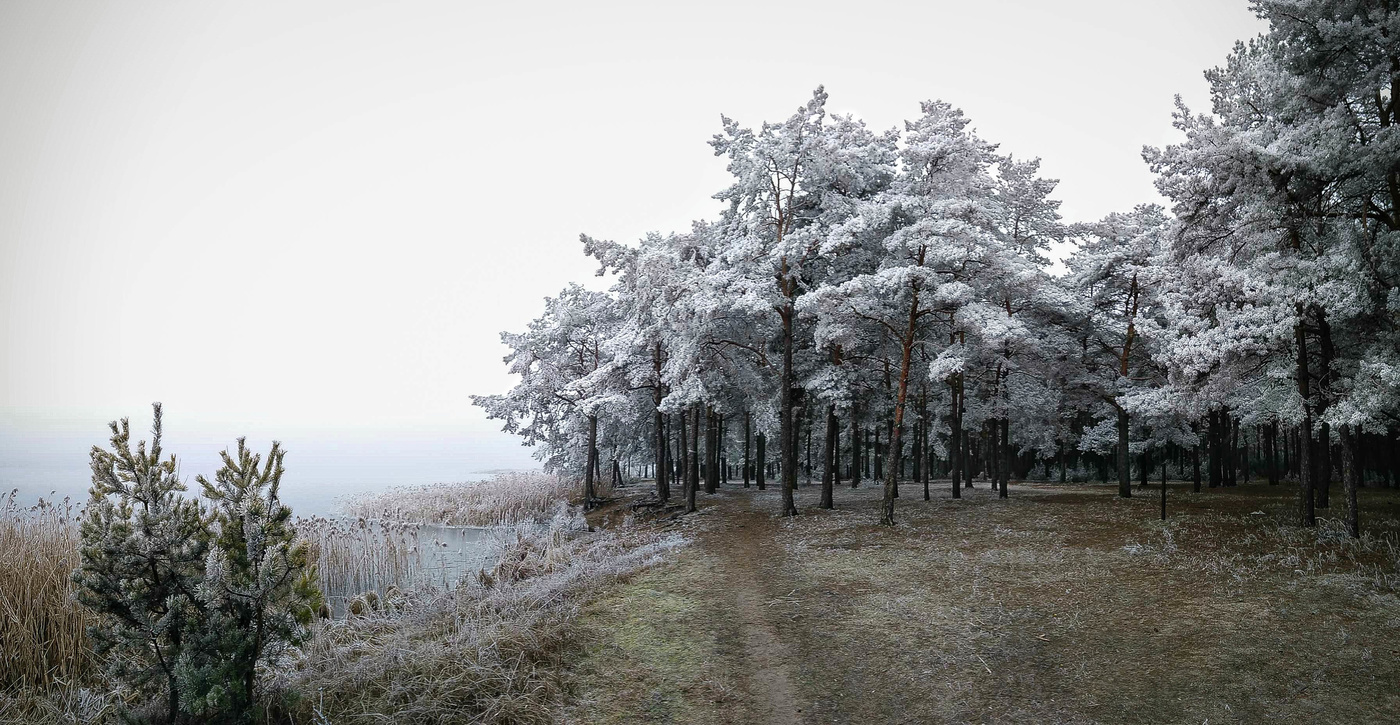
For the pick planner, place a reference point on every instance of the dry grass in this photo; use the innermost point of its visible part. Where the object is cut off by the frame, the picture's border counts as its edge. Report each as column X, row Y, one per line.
column 48, row 672
column 483, row 647
column 486, row 650
column 508, row 498
column 1059, row 605
column 43, row 639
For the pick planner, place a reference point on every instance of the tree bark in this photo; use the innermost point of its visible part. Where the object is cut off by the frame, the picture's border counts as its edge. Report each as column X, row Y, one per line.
column 589, row 490
column 906, row 354
column 761, row 464
column 832, row 461
column 1322, row 485
column 955, row 435
column 1125, row 486
column 1005, row 455
column 879, row 457
column 1351, row 477
column 1196, row 468
column 856, row 462
column 687, row 461
column 1306, row 514
column 787, row 432
column 748, row 465
column 1232, row 458
column 1164, row 488
column 966, row 454
column 711, row 450
column 663, row 487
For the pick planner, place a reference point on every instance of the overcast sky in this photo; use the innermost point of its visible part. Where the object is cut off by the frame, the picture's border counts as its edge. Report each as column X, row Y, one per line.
column 320, row 215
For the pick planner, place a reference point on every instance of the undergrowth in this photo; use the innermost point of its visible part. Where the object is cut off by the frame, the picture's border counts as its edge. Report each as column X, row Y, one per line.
column 508, row 498
column 487, row 650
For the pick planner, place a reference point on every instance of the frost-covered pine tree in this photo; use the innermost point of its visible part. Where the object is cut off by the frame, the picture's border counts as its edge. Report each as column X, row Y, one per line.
column 1115, row 278
column 143, row 554
column 259, row 584
column 1290, row 186
column 557, row 401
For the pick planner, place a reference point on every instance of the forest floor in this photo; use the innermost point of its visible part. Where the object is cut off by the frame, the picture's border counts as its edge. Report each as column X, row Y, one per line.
column 1061, row 604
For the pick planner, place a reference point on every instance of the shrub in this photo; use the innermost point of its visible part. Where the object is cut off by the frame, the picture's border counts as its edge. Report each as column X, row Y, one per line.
column 259, row 585
column 190, row 601
column 143, row 550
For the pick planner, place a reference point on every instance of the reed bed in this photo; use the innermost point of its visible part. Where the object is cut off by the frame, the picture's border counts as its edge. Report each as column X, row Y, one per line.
column 398, row 578
column 356, row 556
column 487, row 650
column 43, row 637
column 508, row 498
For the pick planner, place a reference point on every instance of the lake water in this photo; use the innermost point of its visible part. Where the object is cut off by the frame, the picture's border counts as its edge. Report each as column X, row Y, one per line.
column 321, row 468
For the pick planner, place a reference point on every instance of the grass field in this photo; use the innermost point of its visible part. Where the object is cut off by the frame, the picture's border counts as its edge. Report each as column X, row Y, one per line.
column 1060, row 604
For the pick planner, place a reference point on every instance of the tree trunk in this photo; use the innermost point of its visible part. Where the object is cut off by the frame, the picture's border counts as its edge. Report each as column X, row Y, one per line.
column 711, row 450
column 1125, row 486
column 1351, row 477
column 917, row 457
column 1005, row 454
column 1213, row 449
column 832, row 461
column 695, row 462
column 1269, row 449
column 658, row 392
column 807, row 427
column 856, row 461
column 663, row 485
column 1287, row 464
column 787, row 432
column 966, row 454
column 1306, row 515
column 906, row 355
column 687, row 462
column 1322, row 485
column 879, row 457
column 1164, row 488
column 1232, row 442
column 955, row 436
column 761, row 464
column 173, row 700
column 1196, row 468
column 748, row 465
column 836, row 456
column 589, row 490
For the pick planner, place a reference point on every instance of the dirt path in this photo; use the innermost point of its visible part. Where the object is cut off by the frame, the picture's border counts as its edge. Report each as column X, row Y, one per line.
column 1059, row 605
column 740, row 545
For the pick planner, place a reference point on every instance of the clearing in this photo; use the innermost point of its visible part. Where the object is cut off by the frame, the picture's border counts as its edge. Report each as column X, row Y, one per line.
column 1062, row 604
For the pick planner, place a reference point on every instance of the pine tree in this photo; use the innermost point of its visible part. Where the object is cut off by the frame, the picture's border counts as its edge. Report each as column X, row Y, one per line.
column 259, row 584
column 143, row 554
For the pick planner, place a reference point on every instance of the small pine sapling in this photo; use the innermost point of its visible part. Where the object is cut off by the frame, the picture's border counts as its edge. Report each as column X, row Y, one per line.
column 143, row 552
column 260, row 580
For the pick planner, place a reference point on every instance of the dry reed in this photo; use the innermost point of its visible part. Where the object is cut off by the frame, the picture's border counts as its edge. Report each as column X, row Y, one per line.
column 486, row 650
column 43, row 638
column 508, row 498
column 353, row 557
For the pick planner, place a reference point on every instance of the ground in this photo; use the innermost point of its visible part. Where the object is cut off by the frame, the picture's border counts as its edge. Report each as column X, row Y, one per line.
column 1061, row 604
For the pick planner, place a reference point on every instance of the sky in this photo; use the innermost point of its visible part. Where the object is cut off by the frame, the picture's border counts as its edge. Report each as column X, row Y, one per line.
column 280, row 217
